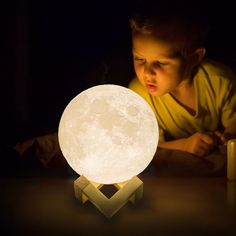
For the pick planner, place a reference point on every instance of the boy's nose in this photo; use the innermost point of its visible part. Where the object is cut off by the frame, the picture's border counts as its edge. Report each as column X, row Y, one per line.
column 148, row 70
column 150, row 79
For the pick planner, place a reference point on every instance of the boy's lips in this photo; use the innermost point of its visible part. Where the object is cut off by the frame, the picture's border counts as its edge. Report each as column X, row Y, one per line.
column 151, row 87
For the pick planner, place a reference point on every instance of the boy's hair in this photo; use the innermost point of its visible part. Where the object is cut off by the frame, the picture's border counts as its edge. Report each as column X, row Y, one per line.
column 173, row 24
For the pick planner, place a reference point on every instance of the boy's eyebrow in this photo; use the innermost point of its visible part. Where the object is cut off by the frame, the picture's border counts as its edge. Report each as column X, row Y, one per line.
column 137, row 53
column 171, row 56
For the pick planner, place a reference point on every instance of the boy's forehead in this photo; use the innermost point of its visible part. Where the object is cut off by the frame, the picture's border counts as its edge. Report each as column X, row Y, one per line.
column 149, row 46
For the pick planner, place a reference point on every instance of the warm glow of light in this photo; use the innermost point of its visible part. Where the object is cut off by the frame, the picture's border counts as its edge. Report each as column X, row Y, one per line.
column 108, row 134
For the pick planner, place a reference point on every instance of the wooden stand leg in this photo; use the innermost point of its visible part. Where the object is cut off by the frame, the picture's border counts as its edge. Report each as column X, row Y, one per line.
column 131, row 190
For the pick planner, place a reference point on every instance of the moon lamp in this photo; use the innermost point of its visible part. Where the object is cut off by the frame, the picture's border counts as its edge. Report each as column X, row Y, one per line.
column 108, row 135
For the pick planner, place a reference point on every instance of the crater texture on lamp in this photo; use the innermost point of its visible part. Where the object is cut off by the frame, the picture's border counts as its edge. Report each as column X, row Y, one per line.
column 108, row 133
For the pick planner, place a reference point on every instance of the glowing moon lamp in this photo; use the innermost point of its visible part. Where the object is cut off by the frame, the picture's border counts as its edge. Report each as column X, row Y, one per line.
column 108, row 135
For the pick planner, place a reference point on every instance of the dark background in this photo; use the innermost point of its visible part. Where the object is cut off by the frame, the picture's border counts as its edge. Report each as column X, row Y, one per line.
column 52, row 50
column 49, row 52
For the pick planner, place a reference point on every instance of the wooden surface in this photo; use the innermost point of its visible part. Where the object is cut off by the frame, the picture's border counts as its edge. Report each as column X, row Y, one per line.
column 170, row 206
column 182, row 195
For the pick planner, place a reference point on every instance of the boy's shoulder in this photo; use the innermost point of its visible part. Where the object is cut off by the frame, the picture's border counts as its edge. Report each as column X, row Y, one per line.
column 215, row 68
column 217, row 76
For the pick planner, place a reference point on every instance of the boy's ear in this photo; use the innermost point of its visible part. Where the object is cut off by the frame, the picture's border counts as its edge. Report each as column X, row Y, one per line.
column 194, row 60
column 196, row 57
column 199, row 54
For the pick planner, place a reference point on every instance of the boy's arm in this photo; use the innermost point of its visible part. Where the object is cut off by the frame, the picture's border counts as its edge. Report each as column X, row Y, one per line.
column 229, row 133
column 199, row 144
column 228, row 112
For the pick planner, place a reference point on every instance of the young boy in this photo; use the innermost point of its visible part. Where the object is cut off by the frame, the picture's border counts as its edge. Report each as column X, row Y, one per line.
column 194, row 100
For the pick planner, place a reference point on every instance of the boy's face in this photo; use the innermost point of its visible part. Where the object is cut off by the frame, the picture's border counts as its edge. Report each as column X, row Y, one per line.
column 156, row 67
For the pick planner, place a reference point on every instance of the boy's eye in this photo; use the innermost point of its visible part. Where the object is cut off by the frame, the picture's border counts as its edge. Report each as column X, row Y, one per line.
column 139, row 59
column 159, row 64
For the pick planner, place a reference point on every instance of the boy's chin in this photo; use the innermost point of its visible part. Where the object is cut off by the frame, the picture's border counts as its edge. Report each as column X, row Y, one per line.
column 156, row 93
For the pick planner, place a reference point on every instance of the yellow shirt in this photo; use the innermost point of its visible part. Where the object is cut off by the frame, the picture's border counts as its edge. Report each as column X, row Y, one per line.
column 215, row 89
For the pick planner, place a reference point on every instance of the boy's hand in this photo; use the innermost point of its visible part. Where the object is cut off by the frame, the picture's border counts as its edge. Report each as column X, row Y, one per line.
column 200, row 144
column 223, row 137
